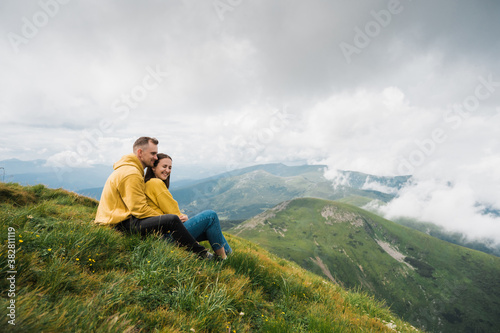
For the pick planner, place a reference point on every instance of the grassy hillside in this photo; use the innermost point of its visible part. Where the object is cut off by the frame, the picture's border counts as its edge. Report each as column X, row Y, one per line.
column 73, row 276
column 429, row 282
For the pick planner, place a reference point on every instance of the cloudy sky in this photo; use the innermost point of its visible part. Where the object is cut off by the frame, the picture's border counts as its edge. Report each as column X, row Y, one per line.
column 382, row 87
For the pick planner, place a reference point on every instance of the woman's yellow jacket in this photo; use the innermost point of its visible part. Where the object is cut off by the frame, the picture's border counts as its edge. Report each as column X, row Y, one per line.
column 160, row 199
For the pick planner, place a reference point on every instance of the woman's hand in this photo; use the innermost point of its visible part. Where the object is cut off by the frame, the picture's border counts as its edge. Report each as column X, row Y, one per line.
column 183, row 217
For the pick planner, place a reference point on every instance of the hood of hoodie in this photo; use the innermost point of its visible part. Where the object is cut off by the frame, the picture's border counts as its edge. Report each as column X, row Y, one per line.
column 129, row 160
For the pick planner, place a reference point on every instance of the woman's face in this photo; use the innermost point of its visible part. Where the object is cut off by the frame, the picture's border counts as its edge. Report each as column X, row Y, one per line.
column 163, row 169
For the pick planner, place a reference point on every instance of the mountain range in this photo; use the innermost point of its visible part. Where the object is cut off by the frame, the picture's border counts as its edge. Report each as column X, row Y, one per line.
column 240, row 194
column 244, row 193
column 236, row 195
column 39, row 172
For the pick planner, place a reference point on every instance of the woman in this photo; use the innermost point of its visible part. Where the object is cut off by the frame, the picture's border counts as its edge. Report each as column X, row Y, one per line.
column 204, row 226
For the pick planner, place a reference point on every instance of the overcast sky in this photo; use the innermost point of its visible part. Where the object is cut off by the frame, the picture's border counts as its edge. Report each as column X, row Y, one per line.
column 382, row 87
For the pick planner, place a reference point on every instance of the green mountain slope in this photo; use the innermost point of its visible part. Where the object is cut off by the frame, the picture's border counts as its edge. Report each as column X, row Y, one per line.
column 62, row 273
column 429, row 282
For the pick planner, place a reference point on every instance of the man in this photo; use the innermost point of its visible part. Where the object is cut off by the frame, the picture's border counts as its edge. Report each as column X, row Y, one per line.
column 123, row 202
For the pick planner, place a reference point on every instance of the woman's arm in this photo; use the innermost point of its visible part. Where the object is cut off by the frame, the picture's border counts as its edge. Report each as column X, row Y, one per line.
column 163, row 198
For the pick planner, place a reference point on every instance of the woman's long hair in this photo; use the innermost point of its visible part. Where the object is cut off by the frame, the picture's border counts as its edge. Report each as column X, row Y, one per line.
column 149, row 171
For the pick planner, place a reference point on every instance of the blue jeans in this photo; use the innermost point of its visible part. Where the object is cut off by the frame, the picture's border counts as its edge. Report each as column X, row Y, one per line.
column 206, row 226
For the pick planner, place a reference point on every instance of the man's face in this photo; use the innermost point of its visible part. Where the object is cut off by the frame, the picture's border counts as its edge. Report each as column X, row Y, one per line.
column 147, row 156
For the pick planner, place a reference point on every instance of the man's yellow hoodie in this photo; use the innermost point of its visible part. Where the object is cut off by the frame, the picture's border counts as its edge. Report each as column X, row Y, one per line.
column 123, row 194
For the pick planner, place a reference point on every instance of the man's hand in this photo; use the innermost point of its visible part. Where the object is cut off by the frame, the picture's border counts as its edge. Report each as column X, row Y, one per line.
column 183, row 217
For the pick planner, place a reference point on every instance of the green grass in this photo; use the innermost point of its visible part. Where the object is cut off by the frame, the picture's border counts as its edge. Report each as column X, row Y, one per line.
column 75, row 276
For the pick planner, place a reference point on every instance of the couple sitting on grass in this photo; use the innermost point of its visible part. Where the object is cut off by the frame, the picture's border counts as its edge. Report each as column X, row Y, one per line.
column 132, row 203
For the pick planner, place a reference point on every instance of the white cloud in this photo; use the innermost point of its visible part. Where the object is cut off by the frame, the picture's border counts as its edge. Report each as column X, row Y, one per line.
column 373, row 185
column 365, row 131
column 451, row 205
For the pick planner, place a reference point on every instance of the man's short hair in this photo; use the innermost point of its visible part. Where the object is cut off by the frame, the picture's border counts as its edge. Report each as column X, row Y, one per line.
column 143, row 142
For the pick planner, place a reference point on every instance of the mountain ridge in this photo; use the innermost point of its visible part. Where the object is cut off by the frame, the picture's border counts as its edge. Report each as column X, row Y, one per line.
column 232, row 197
